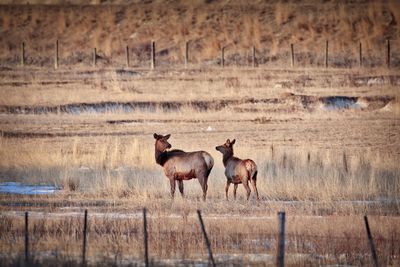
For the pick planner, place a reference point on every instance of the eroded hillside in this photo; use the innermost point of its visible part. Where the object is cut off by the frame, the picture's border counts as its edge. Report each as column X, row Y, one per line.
column 270, row 26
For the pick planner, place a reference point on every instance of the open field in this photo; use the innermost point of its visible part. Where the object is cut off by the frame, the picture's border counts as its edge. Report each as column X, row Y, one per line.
column 280, row 118
column 325, row 140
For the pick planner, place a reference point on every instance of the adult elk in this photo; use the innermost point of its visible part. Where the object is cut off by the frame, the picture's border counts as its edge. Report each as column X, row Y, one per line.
column 180, row 165
column 238, row 171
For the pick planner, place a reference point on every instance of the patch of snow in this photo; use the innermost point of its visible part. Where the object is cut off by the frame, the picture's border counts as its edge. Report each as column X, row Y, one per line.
column 84, row 168
column 362, row 103
column 375, row 81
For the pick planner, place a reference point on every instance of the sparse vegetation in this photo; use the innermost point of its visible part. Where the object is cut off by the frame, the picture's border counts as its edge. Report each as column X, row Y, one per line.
column 117, row 240
column 270, row 26
column 325, row 141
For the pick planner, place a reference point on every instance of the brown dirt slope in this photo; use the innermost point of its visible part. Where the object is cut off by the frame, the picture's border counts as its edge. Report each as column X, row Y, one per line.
column 208, row 25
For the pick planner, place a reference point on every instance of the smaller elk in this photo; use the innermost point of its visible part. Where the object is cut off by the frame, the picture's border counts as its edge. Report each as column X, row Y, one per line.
column 238, row 171
column 180, row 165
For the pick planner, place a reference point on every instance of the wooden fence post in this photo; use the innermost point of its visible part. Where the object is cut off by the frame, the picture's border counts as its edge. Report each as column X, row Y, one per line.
column 23, row 54
column 326, row 53
column 272, row 151
column 145, row 234
column 127, row 56
column 345, row 164
column 388, row 53
column 84, row 239
column 207, row 241
column 26, row 238
column 186, row 54
column 360, row 55
column 292, row 54
column 153, row 55
column 94, row 57
column 254, row 56
column 56, row 55
column 280, row 256
column 371, row 242
column 222, row 57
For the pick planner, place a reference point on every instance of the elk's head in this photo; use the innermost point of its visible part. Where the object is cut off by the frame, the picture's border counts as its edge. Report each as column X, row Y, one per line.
column 161, row 142
column 227, row 148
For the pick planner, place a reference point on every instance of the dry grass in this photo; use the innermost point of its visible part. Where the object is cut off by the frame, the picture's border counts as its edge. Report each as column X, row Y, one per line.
column 118, row 167
column 89, row 130
column 271, row 26
column 310, row 240
column 110, row 152
column 35, row 86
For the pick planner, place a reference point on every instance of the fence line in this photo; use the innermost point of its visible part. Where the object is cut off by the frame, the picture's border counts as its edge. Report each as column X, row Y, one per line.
column 127, row 56
column 254, row 56
column 280, row 255
column 26, row 238
column 388, row 53
column 371, row 242
column 94, row 57
column 153, row 55
column 206, row 240
column 326, row 53
column 222, row 56
column 84, row 239
column 292, row 55
column 23, row 54
column 186, row 54
column 56, row 55
column 387, row 57
column 145, row 239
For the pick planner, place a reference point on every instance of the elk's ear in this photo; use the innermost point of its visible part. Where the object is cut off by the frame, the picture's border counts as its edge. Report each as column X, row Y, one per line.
column 167, row 136
column 228, row 141
column 156, row 136
column 233, row 142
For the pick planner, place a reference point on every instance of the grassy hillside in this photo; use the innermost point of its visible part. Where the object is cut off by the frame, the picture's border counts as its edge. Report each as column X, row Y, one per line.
column 208, row 25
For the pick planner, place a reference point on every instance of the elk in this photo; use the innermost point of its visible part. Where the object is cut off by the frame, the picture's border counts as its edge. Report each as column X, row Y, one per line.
column 238, row 171
column 180, row 165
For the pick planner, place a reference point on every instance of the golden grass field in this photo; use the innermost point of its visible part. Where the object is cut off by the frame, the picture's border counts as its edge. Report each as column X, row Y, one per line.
column 326, row 140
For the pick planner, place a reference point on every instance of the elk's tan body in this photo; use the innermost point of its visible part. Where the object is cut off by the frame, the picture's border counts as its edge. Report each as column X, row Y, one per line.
column 238, row 171
column 180, row 165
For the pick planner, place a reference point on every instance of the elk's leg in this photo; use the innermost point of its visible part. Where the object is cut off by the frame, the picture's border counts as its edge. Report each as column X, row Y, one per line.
column 247, row 187
column 205, row 188
column 235, row 186
column 172, row 184
column 203, row 183
column 180, row 185
column 254, row 184
column 228, row 183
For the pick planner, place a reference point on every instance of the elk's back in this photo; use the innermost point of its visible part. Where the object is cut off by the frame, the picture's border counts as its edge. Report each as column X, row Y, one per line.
column 188, row 165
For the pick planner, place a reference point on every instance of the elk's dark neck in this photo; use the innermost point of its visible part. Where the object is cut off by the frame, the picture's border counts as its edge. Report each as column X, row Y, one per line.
column 161, row 157
column 226, row 157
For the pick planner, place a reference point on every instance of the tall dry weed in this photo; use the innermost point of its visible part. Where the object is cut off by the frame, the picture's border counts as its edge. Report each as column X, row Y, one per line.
column 116, row 168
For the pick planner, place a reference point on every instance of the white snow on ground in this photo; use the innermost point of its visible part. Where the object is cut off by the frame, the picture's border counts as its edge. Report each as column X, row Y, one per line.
column 23, row 189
